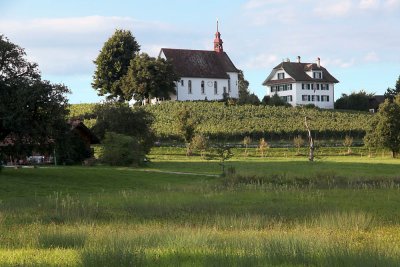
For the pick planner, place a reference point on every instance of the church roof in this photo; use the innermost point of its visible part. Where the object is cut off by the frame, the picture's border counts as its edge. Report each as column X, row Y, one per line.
column 298, row 72
column 199, row 63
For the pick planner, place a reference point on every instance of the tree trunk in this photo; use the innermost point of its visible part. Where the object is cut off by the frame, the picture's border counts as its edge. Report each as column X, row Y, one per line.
column 310, row 141
column 394, row 154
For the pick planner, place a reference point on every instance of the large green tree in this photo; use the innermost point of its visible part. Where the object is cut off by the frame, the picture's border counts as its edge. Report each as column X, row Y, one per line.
column 148, row 78
column 120, row 118
column 392, row 92
column 112, row 64
column 354, row 101
column 32, row 111
column 384, row 130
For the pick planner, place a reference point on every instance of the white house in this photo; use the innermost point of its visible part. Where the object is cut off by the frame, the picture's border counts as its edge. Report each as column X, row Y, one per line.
column 205, row 75
column 302, row 83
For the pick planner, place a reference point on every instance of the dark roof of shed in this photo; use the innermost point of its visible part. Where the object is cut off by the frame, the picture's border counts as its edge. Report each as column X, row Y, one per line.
column 77, row 125
column 199, row 63
column 298, row 72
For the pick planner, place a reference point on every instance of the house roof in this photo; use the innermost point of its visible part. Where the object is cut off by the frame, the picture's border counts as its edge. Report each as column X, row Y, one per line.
column 298, row 72
column 199, row 63
column 78, row 126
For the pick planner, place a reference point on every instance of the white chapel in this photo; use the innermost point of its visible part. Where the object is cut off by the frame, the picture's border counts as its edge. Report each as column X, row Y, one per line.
column 205, row 75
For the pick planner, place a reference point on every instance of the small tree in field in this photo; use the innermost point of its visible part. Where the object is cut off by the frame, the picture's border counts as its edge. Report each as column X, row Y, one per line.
column 224, row 153
column 348, row 142
column 186, row 127
column 298, row 142
column 200, row 142
column 262, row 146
column 246, row 143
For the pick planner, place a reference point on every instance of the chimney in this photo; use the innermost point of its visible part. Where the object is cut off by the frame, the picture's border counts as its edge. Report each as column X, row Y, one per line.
column 319, row 62
column 298, row 59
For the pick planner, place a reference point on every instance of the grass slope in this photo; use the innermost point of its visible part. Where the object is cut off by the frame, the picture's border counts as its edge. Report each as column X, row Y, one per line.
column 101, row 216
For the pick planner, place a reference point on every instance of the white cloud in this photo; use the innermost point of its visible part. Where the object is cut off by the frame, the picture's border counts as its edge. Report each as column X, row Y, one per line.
column 254, row 4
column 336, row 9
column 392, row 4
column 69, row 45
column 369, row 4
column 339, row 62
column 261, row 61
column 371, row 57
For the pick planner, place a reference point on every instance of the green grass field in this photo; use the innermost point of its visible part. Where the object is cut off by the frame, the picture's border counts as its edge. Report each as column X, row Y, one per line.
column 177, row 211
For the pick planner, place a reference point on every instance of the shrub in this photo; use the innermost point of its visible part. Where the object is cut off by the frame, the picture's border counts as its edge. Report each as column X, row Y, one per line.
column 121, row 150
column 200, row 142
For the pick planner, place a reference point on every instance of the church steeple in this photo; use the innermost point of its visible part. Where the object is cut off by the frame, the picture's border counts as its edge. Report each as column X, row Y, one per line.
column 218, row 42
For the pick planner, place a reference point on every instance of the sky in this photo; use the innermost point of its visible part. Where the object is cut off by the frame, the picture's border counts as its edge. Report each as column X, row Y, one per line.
column 358, row 41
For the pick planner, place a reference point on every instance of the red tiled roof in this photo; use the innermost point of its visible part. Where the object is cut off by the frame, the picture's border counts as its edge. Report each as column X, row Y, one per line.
column 199, row 63
column 298, row 72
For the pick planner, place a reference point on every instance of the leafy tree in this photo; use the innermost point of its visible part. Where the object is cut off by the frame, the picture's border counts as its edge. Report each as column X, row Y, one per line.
column 354, row 101
column 392, row 92
column 265, row 100
column 200, row 142
column 298, row 142
column 32, row 111
column 121, row 150
column 384, row 130
column 348, row 142
column 262, row 146
column 120, row 118
column 224, row 153
column 186, row 127
column 148, row 78
column 246, row 143
column 245, row 97
column 243, row 86
column 275, row 100
column 112, row 64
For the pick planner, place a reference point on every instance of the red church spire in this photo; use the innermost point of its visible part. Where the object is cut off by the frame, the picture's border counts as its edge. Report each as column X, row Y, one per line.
column 218, row 42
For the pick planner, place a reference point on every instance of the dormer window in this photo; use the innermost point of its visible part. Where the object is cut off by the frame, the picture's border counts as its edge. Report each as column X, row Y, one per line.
column 317, row 74
column 281, row 76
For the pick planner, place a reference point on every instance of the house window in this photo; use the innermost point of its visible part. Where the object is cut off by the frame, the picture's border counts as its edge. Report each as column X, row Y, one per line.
column 281, row 76
column 303, row 86
column 202, row 87
column 290, row 86
column 318, row 85
column 224, row 90
column 317, row 96
column 304, row 97
column 215, row 88
column 189, row 87
column 317, row 74
column 273, row 89
column 327, row 87
column 325, row 98
column 308, row 86
column 182, row 83
column 229, row 85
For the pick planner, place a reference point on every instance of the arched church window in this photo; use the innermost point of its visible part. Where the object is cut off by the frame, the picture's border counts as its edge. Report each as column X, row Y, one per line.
column 215, row 88
column 189, row 87
column 202, row 87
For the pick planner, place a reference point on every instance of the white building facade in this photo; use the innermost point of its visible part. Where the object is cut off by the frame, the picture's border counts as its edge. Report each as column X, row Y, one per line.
column 205, row 75
column 302, row 84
